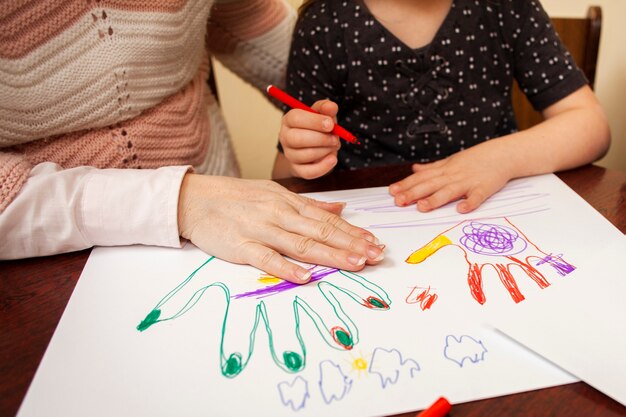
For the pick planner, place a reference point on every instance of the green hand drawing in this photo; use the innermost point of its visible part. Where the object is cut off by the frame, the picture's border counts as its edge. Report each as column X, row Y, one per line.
column 338, row 331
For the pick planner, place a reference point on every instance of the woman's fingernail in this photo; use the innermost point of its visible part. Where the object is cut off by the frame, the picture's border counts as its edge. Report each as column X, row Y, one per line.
column 375, row 253
column 371, row 238
column 327, row 124
column 356, row 260
column 303, row 274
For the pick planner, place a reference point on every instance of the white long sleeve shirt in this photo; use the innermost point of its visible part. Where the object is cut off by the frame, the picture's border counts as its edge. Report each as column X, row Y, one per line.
column 66, row 210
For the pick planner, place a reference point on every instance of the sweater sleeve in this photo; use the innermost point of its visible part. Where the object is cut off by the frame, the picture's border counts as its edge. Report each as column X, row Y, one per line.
column 251, row 38
column 60, row 210
column 14, row 170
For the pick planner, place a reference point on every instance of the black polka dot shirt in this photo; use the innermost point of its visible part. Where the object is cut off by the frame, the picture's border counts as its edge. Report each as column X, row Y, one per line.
column 425, row 104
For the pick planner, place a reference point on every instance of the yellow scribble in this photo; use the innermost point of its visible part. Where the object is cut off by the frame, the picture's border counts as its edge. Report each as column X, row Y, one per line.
column 428, row 249
column 269, row 279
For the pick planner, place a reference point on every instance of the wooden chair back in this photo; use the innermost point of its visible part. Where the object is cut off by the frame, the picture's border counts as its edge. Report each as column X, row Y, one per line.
column 582, row 39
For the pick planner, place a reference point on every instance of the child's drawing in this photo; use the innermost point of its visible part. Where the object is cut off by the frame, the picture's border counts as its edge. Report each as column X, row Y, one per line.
column 337, row 329
column 389, row 364
column 334, row 384
column 464, row 348
column 423, row 296
column 497, row 243
column 294, row 394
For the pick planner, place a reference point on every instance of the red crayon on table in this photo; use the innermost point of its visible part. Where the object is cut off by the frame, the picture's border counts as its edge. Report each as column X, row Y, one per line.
column 439, row 408
column 285, row 98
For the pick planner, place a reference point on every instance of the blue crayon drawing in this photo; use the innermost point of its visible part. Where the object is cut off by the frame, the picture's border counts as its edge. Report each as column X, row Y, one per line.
column 294, row 394
column 464, row 348
column 334, row 384
column 388, row 365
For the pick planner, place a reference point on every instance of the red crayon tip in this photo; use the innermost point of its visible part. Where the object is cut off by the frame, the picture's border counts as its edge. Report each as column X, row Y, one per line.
column 439, row 408
column 292, row 102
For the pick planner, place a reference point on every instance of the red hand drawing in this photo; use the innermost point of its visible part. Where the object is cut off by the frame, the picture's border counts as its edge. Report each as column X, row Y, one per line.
column 498, row 244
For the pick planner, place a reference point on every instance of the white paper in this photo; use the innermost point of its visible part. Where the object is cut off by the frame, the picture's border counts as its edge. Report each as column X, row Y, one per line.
column 580, row 324
column 353, row 355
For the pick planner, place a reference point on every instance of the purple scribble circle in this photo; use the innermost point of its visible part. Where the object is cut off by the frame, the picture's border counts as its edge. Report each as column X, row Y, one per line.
column 492, row 239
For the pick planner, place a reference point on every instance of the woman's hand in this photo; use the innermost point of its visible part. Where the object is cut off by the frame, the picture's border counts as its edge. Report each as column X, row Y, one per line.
column 472, row 175
column 255, row 222
column 310, row 149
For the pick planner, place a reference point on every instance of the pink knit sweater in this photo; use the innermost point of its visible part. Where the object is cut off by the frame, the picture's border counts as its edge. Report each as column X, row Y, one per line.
column 122, row 83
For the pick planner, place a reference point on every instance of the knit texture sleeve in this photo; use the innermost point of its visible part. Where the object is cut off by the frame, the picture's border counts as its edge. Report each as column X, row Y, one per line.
column 251, row 38
column 14, row 169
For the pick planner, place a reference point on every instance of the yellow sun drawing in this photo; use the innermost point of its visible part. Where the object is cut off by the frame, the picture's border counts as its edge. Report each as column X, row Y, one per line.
column 359, row 364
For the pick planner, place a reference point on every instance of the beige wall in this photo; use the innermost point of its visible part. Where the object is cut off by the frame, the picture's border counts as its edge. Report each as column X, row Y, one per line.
column 254, row 123
column 611, row 73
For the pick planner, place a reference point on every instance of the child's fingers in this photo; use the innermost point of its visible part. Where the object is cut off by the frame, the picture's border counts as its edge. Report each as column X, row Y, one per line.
column 326, row 107
column 442, row 196
column 474, row 199
column 430, row 165
column 413, row 180
column 302, row 138
column 308, row 155
column 419, row 191
column 316, row 169
column 302, row 119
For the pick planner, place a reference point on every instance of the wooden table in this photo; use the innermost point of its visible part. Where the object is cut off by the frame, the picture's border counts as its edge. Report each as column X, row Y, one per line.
column 34, row 292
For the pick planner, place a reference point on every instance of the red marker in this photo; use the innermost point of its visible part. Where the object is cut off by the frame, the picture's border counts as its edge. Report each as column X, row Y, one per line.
column 440, row 408
column 285, row 98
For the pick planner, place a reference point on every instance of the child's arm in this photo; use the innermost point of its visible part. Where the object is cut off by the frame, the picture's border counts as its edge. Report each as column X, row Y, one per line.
column 574, row 133
column 315, row 77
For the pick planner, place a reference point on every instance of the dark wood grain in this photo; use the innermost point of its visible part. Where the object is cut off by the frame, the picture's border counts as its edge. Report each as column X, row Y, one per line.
column 34, row 293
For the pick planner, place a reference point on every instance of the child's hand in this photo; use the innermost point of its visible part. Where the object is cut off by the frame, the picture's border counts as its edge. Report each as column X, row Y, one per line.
column 472, row 175
column 308, row 145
